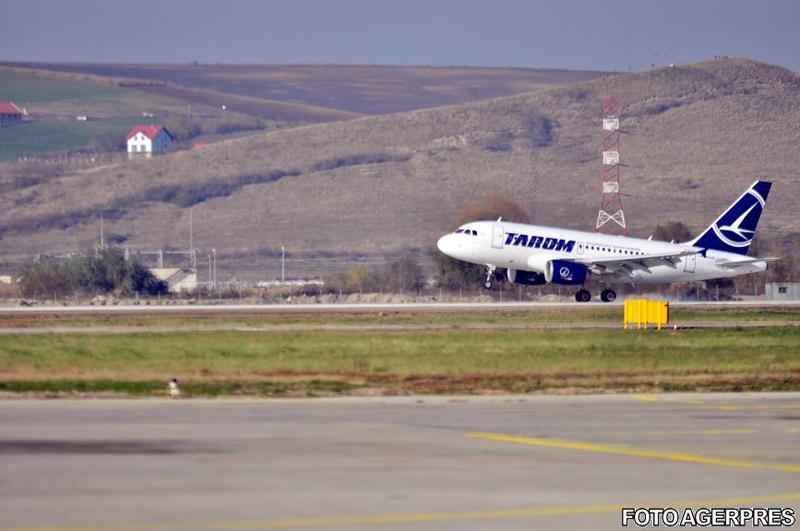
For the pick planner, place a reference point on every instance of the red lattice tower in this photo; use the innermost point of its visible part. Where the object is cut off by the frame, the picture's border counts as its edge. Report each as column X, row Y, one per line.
column 611, row 217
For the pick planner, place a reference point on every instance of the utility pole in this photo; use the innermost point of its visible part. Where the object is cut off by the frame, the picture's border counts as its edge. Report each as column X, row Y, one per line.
column 214, row 255
column 283, row 264
column 102, row 237
column 192, row 254
column 191, row 241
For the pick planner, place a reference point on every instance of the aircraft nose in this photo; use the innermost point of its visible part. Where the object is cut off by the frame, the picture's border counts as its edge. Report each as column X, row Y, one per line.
column 446, row 244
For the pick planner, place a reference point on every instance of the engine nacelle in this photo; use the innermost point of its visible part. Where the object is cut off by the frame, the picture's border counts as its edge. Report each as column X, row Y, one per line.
column 526, row 278
column 565, row 272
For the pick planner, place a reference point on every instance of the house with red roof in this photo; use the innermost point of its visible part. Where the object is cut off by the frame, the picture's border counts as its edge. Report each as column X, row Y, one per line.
column 148, row 139
column 9, row 113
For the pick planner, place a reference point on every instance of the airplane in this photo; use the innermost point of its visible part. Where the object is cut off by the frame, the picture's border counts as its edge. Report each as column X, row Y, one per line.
column 535, row 255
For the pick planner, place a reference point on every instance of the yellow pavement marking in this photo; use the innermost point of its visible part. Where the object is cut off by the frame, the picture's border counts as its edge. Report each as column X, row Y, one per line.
column 777, row 407
column 701, row 432
column 651, row 398
column 633, row 452
column 794, row 430
column 645, row 398
column 711, row 405
column 406, row 518
column 730, row 431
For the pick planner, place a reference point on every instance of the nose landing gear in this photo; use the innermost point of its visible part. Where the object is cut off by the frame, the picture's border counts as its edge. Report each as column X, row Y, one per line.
column 489, row 276
column 608, row 295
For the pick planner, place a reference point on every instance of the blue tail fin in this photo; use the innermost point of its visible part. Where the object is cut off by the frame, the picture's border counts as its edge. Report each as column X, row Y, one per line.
column 734, row 229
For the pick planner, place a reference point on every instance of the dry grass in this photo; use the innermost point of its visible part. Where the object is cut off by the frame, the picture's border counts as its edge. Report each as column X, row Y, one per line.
column 329, row 88
column 694, row 137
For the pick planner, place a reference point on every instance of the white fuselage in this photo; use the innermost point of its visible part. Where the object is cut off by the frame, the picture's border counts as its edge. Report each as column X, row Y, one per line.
column 530, row 247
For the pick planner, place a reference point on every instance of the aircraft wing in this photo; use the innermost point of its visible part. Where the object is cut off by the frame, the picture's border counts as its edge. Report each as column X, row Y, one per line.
column 627, row 264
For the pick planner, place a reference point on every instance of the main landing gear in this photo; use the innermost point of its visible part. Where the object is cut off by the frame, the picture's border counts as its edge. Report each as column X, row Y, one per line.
column 583, row 296
column 489, row 276
column 608, row 295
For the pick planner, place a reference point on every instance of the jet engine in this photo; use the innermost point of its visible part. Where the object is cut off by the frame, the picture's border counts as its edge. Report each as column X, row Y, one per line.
column 565, row 272
column 526, row 278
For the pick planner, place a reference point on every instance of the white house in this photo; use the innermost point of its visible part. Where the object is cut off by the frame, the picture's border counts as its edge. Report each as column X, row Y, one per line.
column 148, row 139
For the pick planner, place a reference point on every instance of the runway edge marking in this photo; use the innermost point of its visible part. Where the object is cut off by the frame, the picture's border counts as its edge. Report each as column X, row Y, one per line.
column 634, row 452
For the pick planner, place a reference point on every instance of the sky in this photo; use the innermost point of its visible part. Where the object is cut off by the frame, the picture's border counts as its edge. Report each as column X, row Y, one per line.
column 607, row 35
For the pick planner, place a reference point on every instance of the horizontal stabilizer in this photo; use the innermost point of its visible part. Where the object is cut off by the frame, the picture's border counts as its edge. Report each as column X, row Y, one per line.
column 733, row 264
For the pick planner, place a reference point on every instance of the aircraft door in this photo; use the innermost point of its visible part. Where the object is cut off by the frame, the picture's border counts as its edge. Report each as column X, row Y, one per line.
column 689, row 263
column 497, row 236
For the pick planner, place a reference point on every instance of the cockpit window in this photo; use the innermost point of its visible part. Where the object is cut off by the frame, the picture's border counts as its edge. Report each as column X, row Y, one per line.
column 474, row 233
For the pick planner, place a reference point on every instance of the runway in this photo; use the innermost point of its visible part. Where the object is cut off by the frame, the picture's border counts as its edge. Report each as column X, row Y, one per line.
column 519, row 462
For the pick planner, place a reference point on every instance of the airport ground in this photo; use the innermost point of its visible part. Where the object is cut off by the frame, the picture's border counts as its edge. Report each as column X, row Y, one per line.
column 384, row 350
column 502, row 463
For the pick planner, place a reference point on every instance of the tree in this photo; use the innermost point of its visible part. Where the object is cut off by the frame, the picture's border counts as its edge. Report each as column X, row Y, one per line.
column 401, row 274
column 181, row 128
column 105, row 271
column 45, row 277
column 672, row 231
column 491, row 208
column 142, row 280
column 452, row 273
column 362, row 278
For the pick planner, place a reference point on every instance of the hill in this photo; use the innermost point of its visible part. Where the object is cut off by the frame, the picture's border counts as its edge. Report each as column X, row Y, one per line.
column 315, row 93
column 695, row 136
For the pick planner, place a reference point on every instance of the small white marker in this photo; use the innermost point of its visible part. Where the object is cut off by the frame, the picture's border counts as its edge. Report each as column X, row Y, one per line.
column 174, row 390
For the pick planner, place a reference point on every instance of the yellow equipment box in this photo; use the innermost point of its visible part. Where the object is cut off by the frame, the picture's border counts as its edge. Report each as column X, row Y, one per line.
column 642, row 312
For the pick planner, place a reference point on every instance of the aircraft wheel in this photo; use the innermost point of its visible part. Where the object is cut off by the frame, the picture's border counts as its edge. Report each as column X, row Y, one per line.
column 608, row 295
column 487, row 284
column 583, row 296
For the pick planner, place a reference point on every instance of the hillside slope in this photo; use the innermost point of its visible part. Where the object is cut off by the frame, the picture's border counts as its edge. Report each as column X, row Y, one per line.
column 342, row 89
column 695, row 137
column 53, row 104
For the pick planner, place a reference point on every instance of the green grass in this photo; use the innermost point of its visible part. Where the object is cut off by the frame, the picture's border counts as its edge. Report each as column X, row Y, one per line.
column 112, row 110
column 53, row 103
column 210, row 355
column 26, row 90
column 36, row 138
column 451, row 359
column 444, row 318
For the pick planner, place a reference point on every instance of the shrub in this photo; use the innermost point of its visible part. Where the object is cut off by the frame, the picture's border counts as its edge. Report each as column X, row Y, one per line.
column 359, row 159
column 103, row 272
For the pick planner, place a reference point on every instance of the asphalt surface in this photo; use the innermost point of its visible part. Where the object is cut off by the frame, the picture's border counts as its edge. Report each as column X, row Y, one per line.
column 532, row 462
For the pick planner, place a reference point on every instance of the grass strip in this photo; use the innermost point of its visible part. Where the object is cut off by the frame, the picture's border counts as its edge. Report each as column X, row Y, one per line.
column 221, row 363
